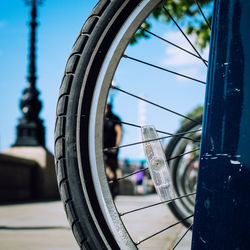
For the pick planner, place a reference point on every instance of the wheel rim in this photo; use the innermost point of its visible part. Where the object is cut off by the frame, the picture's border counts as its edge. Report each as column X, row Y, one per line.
column 95, row 138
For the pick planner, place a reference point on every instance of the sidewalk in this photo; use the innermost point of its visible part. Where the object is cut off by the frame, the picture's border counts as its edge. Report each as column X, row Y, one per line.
column 35, row 226
column 146, row 222
column 43, row 225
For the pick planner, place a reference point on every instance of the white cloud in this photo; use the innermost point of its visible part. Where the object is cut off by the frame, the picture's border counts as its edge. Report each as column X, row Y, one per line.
column 175, row 56
column 192, row 72
column 179, row 60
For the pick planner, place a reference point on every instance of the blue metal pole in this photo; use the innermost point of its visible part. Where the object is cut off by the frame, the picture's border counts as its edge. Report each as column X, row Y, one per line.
column 222, row 214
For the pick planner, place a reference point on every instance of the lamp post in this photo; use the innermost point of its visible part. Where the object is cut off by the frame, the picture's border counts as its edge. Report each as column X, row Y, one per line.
column 30, row 130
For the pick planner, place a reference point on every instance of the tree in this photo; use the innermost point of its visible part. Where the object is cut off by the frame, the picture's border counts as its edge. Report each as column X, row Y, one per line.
column 180, row 9
column 198, row 110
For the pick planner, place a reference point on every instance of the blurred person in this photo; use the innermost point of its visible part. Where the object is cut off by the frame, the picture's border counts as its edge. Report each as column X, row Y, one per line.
column 139, row 179
column 112, row 138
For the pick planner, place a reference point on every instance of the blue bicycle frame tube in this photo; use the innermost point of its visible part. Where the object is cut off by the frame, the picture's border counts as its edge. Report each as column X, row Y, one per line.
column 222, row 214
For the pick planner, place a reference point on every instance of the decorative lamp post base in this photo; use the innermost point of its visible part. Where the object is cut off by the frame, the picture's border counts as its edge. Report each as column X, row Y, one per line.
column 30, row 133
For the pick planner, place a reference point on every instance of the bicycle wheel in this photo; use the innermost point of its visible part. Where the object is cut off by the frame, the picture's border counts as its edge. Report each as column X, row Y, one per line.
column 91, row 67
column 184, row 169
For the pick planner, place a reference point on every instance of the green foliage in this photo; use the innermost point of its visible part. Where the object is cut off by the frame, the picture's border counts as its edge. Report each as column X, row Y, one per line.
column 195, row 112
column 182, row 10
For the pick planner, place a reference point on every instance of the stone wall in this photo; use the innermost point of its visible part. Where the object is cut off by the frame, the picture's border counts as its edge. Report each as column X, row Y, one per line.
column 17, row 177
column 27, row 173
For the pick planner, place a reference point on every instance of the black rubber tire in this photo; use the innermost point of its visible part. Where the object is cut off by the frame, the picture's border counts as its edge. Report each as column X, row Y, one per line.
column 174, row 164
column 196, row 158
column 81, row 205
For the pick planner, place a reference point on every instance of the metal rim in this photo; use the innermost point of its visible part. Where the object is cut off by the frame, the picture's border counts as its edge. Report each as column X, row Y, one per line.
column 107, row 71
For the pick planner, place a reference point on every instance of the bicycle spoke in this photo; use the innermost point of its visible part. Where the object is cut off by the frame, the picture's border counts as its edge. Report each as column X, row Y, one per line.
column 156, row 204
column 145, row 169
column 184, row 35
column 152, row 103
column 178, row 242
column 164, row 69
column 128, row 175
column 125, row 123
column 199, row 7
column 138, row 126
column 160, row 138
column 173, row 44
column 149, row 237
column 180, row 155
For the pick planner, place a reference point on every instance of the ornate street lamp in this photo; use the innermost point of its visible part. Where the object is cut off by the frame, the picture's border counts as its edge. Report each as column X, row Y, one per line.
column 30, row 130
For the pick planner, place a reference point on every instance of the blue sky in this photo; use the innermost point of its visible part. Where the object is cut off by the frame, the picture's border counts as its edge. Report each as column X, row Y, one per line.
column 60, row 22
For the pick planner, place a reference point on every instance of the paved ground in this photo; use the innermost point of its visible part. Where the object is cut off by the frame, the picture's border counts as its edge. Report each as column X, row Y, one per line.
column 146, row 222
column 43, row 225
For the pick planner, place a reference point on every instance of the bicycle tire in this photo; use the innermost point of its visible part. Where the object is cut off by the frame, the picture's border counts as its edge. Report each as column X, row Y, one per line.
column 72, row 124
column 176, row 146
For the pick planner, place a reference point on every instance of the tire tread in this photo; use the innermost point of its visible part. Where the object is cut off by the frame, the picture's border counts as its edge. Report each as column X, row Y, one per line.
column 61, row 114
